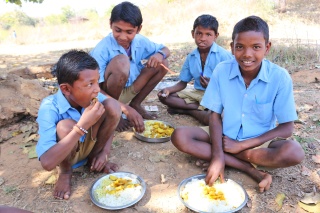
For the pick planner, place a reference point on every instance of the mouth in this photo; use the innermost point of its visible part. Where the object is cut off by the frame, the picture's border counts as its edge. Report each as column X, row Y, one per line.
column 247, row 63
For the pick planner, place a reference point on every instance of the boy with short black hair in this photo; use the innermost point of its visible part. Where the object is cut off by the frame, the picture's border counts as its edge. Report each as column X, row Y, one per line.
column 123, row 76
column 77, row 122
column 199, row 66
column 252, row 93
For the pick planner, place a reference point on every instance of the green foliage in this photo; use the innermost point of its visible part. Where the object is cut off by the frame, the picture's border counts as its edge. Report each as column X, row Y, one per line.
column 67, row 13
column 18, row 2
column 54, row 19
column 14, row 18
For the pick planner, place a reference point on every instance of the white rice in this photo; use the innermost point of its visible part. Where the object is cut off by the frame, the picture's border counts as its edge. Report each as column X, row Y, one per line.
column 121, row 198
column 233, row 193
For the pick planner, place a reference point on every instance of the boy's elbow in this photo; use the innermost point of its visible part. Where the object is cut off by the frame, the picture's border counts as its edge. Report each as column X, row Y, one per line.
column 47, row 165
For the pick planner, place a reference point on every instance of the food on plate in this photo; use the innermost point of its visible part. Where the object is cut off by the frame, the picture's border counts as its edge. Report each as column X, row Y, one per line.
column 117, row 191
column 220, row 197
column 157, row 129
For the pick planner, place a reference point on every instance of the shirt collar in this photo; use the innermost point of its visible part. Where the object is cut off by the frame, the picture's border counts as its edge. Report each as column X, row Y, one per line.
column 262, row 75
column 213, row 48
column 63, row 104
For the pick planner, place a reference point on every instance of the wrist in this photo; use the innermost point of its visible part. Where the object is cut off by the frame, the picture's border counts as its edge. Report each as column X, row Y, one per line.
column 79, row 129
column 162, row 53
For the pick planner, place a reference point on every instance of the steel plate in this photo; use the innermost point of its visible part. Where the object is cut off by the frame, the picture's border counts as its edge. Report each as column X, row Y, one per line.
column 95, row 200
column 153, row 140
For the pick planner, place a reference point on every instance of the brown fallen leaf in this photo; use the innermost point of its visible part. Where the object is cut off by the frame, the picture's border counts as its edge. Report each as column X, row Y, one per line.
column 279, row 200
column 310, row 208
column 51, row 180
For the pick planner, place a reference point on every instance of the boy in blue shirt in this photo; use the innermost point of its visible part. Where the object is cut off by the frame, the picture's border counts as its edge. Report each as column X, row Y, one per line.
column 77, row 122
column 122, row 74
column 199, row 66
column 252, row 93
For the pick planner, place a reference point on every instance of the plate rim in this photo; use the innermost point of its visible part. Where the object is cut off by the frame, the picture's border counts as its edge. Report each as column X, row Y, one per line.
column 153, row 140
column 201, row 176
column 103, row 206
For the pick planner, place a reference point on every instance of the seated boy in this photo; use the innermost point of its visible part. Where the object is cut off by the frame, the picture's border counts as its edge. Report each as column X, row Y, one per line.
column 252, row 93
column 77, row 122
column 122, row 74
column 199, row 66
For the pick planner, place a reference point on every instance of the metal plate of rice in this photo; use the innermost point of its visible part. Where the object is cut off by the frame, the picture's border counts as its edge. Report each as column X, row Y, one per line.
column 101, row 202
column 236, row 196
column 141, row 137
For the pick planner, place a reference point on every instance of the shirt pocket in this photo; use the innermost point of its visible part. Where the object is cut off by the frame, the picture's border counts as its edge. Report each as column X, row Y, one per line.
column 262, row 113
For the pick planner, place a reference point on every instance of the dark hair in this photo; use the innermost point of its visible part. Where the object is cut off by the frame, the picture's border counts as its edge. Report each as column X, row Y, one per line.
column 251, row 23
column 127, row 12
column 71, row 64
column 206, row 21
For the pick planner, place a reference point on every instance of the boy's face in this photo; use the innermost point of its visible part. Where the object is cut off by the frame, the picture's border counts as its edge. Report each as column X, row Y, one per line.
column 83, row 90
column 124, row 32
column 249, row 49
column 204, row 37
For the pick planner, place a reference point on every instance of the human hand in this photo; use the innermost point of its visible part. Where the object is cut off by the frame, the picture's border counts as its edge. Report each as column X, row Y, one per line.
column 164, row 93
column 154, row 61
column 204, row 81
column 91, row 115
column 231, row 146
column 135, row 119
column 215, row 170
column 99, row 162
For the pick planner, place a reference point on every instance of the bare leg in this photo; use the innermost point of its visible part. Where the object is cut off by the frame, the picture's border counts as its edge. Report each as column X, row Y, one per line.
column 116, row 76
column 178, row 105
column 196, row 142
column 143, row 85
column 62, row 189
column 104, row 130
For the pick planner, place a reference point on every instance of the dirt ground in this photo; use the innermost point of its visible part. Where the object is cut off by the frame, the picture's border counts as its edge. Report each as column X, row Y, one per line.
column 22, row 179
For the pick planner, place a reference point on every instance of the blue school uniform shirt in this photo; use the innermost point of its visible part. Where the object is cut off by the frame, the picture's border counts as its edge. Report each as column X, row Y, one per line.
column 192, row 69
column 53, row 109
column 248, row 113
column 108, row 48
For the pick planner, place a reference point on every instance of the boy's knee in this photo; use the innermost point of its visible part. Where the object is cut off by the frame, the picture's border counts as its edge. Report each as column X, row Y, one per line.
column 121, row 63
column 112, row 107
column 177, row 138
column 64, row 127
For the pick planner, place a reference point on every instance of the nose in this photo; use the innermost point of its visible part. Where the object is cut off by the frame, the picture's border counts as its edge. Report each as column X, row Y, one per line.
column 96, row 88
column 247, row 52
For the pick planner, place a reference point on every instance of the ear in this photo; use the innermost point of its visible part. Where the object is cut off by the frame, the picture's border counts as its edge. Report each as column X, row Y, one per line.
column 192, row 33
column 231, row 46
column 65, row 89
column 268, row 47
column 139, row 29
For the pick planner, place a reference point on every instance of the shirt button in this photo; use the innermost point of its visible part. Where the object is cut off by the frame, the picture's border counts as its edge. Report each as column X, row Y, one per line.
column 245, row 95
column 242, row 115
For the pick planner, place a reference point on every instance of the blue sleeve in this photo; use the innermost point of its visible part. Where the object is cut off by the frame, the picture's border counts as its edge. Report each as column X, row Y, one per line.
column 211, row 98
column 150, row 48
column 102, row 56
column 185, row 73
column 284, row 105
column 47, row 122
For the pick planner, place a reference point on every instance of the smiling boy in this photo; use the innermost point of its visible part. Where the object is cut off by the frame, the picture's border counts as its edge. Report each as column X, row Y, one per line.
column 122, row 75
column 254, row 95
column 71, row 126
column 199, row 66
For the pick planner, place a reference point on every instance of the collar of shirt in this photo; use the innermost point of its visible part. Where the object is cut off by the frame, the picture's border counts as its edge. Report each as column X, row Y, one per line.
column 134, row 44
column 63, row 104
column 262, row 75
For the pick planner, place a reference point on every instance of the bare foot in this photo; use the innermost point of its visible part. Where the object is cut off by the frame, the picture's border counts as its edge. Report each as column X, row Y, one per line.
column 265, row 183
column 144, row 113
column 202, row 164
column 123, row 125
column 62, row 189
column 110, row 167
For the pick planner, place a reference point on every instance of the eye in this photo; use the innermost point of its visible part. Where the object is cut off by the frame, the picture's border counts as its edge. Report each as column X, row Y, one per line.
column 198, row 33
column 90, row 84
column 208, row 34
column 256, row 47
column 238, row 47
column 130, row 32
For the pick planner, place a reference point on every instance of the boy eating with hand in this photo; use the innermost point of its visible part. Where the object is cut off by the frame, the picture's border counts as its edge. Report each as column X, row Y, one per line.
column 77, row 122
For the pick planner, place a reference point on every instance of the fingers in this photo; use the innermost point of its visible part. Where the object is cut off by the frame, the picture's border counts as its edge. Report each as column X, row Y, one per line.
column 92, row 164
column 222, row 177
